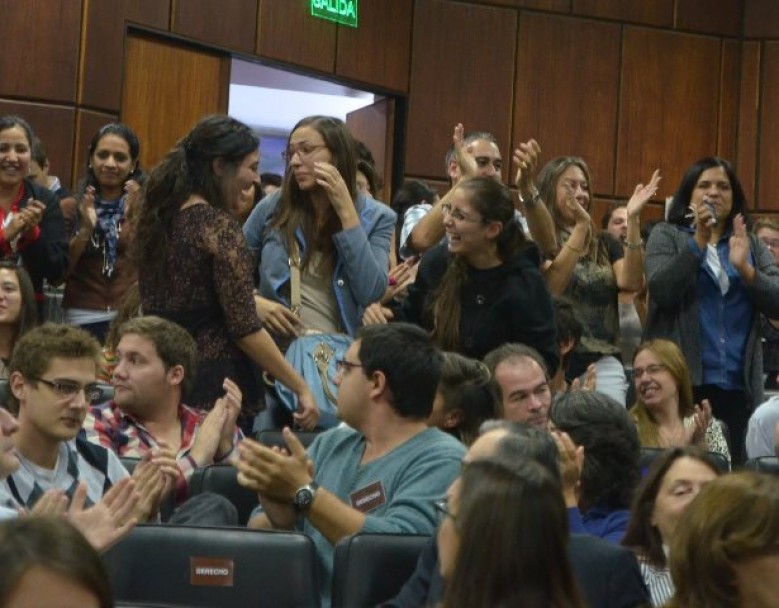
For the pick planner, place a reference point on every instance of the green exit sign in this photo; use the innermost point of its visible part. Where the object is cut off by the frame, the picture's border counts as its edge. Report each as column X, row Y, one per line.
column 340, row 11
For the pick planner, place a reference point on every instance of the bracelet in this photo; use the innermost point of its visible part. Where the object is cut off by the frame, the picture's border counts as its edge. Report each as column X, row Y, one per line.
column 634, row 245
column 532, row 200
column 574, row 249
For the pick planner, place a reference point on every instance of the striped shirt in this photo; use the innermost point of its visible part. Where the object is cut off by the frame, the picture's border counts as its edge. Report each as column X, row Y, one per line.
column 658, row 581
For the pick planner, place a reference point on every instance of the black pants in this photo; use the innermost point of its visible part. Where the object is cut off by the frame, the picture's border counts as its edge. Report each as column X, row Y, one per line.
column 732, row 407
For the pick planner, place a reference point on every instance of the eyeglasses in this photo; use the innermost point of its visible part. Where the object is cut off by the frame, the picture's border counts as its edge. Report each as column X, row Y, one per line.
column 302, row 150
column 94, row 392
column 650, row 370
column 341, row 365
column 456, row 214
column 770, row 243
column 443, row 511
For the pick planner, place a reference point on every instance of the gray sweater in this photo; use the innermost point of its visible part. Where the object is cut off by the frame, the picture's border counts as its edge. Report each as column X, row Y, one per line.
column 671, row 271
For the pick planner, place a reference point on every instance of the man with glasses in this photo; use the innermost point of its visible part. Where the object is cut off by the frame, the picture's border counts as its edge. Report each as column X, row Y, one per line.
column 379, row 474
column 53, row 379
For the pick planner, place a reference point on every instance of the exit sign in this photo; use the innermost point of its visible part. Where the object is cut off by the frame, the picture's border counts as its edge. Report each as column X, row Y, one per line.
column 340, row 11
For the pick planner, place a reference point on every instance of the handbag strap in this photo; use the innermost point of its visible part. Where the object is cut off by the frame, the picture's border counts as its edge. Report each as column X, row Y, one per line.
column 294, row 277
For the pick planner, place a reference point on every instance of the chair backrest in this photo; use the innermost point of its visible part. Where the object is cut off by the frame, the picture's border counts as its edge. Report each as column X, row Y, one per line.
column 213, row 567
column 648, row 456
column 223, row 479
column 369, row 569
column 276, row 438
column 764, row 464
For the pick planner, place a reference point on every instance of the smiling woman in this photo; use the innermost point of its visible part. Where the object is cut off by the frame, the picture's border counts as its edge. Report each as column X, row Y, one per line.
column 101, row 269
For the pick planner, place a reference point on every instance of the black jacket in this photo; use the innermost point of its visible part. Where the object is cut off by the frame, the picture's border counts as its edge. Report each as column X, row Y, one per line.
column 509, row 303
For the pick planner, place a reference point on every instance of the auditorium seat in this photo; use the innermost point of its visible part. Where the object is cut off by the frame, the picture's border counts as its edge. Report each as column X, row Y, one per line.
column 764, row 464
column 223, row 479
column 648, row 456
column 369, row 569
column 213, row 568
column 276, row 438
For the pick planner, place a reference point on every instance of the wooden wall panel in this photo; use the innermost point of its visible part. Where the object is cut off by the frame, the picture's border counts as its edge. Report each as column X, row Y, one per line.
column 101, row 74
column 647, row 12
column 724, row 18
column 761, row 19
column 567, row 90
column 54, row 126
column 190, row 83
column 456, row 76
column 669, row 103
column 729, row 93
column 559, row 6
column 87, row 124
column 228, row 24
column 768, row 175
column 379, row 50
column 748, row 133
column 287, row 32
column 40, row 49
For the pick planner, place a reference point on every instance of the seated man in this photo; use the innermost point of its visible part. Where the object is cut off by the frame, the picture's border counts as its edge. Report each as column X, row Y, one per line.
column 53, row 372
column 762, row 429
column 380, row 474
column 156, row 363
column 608, row 575
column 522, row 383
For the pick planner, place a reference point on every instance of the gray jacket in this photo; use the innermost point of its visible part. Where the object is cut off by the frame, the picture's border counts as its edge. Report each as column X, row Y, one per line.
column 671, row 271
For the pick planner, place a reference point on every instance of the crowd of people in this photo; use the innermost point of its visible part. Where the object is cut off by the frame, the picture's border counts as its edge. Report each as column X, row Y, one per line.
column 508, row 367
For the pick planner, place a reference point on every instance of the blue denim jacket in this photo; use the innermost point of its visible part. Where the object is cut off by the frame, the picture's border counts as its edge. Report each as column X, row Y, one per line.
column 360, row 273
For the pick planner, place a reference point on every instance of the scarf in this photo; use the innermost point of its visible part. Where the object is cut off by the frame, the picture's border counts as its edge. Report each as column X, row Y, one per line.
column 110, row 215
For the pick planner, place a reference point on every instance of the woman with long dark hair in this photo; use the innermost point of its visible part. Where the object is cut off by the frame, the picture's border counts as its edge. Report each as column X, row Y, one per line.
column 195, row 268
column 101, row 268
column 708, row 281
column 32, row 228
column 482, row 287
column 503, row 539
column 18, row 312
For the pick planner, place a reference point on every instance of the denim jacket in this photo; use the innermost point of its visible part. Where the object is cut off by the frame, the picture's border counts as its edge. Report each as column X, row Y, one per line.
column 361, row 269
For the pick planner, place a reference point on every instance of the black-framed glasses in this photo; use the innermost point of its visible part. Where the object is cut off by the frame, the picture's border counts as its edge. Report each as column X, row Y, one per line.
column 650, row 370
column 443, row 511
column 341, row 365
column 302, row 150
column 94, row 392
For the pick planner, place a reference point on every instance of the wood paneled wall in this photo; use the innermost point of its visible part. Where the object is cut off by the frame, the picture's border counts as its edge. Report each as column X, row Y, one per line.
column 628, row 85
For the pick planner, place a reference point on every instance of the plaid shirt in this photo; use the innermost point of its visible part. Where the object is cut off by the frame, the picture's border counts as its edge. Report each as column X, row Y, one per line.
column 107, row 425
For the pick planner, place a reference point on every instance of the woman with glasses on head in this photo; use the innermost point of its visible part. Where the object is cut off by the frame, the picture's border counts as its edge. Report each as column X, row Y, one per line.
column 339, row 238
column 195, row 269
column 665, row 414
column 100, row 267
column 709, row 280
column 482, row 287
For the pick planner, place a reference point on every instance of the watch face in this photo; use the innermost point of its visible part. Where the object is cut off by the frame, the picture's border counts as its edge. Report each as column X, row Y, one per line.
column 303, row 498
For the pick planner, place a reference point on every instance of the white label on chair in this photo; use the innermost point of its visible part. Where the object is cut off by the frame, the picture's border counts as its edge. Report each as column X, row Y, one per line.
column 211, row 571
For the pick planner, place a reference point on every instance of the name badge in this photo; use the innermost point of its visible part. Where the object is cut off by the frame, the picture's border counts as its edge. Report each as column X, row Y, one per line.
column 369, row 497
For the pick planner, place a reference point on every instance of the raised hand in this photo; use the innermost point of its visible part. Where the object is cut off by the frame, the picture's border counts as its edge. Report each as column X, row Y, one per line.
column 464, row 154
column 88, row 213
column 25, row 219
column 209, row 435
column 526, row 158
column 329, row 178
column 642, row 194
column 696, row 432
column 571, row 464
column 109, row 520
column 739, row 245
column 232, row 406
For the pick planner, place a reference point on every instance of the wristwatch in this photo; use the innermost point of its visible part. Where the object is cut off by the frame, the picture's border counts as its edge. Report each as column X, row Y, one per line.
column 535, row 195
column 304, row 497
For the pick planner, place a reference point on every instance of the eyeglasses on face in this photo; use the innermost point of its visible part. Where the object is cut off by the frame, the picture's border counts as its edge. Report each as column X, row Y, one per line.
column 303, row 150
column 650, row 370
column 342, row 365
column 456, row 214
column 443, row 511
column 772, row 244
column 94, row 392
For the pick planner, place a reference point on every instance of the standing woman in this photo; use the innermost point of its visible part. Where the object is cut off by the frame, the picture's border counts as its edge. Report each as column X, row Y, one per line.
column 591, row 268
column 708, row 281
column 195, row 269
column 18, row 312
column 101, row 269
column 481, row 288
column 31, row 225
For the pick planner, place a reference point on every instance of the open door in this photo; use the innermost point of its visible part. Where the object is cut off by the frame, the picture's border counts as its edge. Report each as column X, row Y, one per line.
column 374, row 125
column 168, row 86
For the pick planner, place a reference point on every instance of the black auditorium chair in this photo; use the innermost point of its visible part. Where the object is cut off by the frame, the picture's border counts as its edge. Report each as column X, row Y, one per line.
column 179, row 566
column 369, row 569
column 223, row 479
column 276, row 438
column 648, row 456
column 764, row 464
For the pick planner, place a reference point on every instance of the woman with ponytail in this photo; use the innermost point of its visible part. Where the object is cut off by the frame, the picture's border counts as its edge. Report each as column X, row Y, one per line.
column 482, row 287
column 195, row 268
